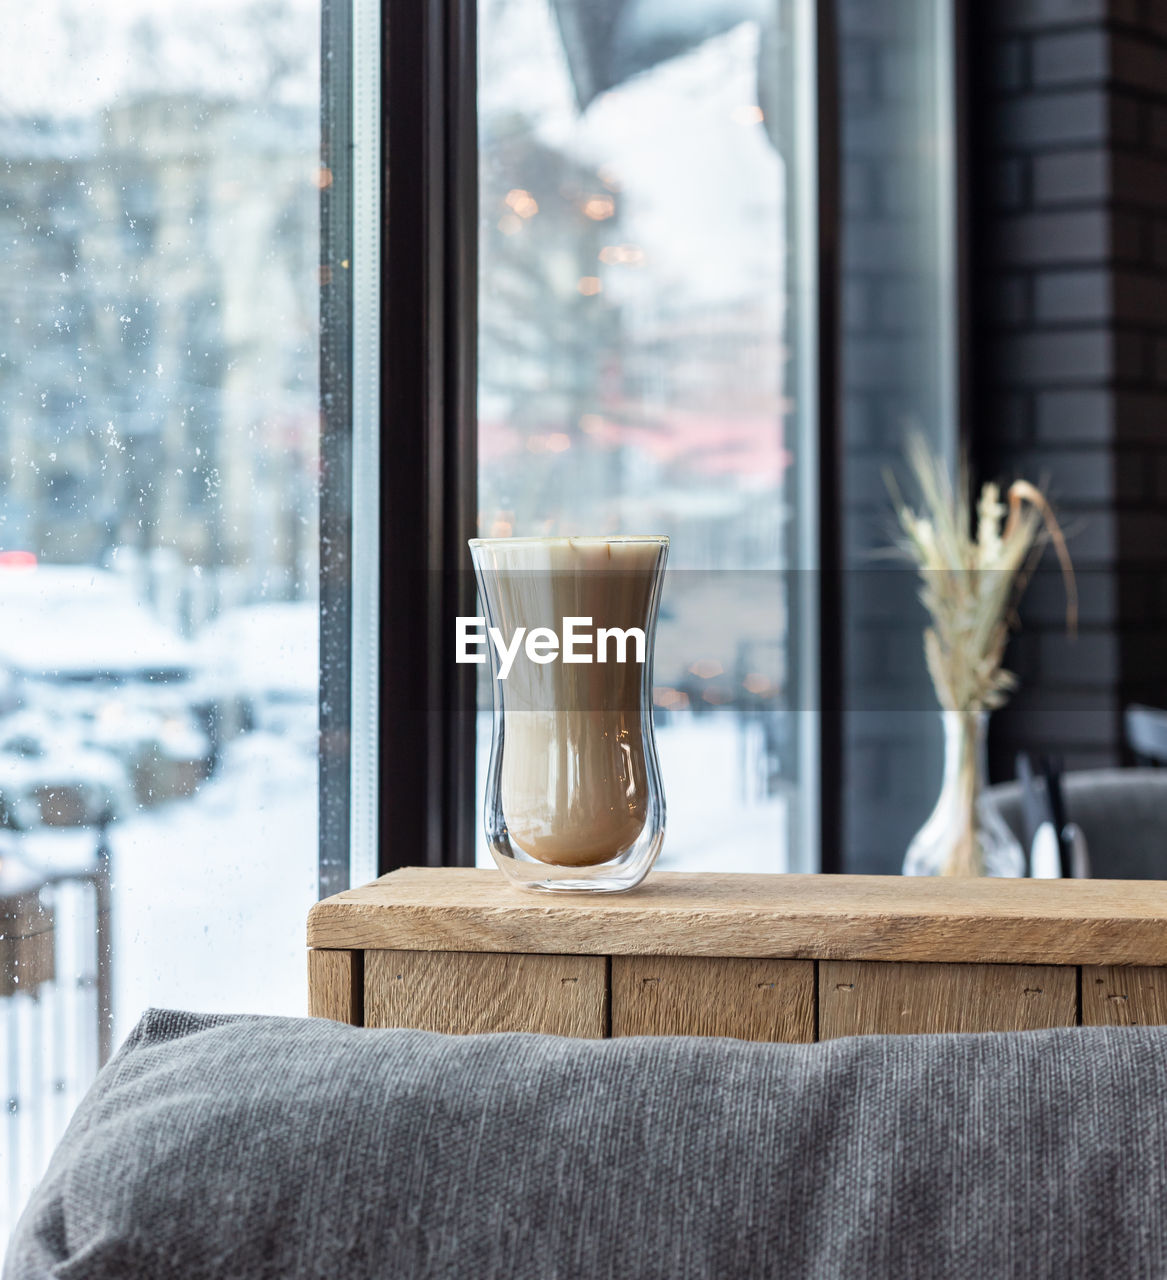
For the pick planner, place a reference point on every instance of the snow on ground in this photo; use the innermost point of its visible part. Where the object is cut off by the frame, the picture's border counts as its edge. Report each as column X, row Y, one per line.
column 211, row 896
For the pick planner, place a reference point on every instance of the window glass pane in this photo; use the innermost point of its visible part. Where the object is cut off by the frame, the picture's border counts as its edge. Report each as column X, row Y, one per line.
column 159, row 189
column 645, row 332
column 897, row 363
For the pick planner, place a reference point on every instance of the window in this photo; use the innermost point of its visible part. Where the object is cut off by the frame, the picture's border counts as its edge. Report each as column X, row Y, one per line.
column 159, row 419
column 647, row 364
column 254, row 397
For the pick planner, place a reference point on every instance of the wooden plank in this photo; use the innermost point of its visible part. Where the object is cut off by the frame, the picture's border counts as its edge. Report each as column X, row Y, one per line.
column 866, row 998
column 464, row 993
column 27, row 940
column 36, row 960
column 1113, row 996
column 27, row 963
column 334, row 985
column 713, row 996
column 923, row 919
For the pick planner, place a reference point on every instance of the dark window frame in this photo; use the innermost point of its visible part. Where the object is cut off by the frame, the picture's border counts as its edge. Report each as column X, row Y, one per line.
column 428, row 430
column 830, row 603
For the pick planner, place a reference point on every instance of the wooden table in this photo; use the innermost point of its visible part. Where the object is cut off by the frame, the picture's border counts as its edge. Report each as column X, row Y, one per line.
column 794, row 958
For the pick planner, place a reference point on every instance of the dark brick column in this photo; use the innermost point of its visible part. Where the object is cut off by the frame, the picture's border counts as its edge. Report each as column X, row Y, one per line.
column 1068, row 110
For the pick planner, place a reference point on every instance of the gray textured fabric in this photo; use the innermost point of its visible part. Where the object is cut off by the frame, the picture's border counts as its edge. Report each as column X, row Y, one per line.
column 1122, row 813
column 265, row 1147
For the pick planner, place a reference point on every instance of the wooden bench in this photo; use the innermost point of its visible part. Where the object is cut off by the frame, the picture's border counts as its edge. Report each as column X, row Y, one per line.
column 758, row 957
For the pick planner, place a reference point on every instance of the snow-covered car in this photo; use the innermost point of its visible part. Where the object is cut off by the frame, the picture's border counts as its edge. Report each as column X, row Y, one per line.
column 71, row 624
column 49, row 777
column 88, row 654
column 165, row 752
column 265, row 657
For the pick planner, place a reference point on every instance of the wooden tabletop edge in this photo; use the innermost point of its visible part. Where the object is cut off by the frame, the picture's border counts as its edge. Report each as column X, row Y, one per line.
column 825, row 917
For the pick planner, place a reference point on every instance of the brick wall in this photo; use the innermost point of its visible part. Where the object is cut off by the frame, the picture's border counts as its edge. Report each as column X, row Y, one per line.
column 1068, row 117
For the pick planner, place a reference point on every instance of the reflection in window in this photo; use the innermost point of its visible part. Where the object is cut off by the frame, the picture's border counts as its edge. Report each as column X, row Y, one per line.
column 643, row 337
column 158, row 430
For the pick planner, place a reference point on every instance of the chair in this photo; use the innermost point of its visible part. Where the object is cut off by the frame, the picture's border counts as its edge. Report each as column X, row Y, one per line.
column 1122, row 813
column 1146, row 733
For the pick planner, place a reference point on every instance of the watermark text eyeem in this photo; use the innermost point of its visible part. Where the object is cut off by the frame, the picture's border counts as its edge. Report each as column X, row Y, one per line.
column 542, row 645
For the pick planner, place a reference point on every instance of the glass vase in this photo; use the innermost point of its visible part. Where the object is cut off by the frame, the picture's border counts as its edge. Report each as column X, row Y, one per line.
column 964, row 835
column 573, row 796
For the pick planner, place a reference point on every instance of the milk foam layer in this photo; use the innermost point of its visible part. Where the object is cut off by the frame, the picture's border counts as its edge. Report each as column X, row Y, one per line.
column 575, row 777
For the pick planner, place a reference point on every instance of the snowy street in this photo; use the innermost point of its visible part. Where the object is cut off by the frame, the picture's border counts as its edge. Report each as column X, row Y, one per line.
column 211, row 896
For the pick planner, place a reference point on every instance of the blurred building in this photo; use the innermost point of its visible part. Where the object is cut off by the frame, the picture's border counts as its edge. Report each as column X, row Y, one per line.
column 158, row 376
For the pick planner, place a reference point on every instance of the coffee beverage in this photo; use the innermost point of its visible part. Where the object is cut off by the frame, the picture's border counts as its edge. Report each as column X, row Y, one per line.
column 577, row 764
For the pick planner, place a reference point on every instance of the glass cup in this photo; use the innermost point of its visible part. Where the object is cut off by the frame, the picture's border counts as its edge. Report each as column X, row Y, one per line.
column 573, row 797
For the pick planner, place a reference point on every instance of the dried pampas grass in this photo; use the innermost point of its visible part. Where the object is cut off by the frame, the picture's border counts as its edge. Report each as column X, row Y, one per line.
column 972, row 578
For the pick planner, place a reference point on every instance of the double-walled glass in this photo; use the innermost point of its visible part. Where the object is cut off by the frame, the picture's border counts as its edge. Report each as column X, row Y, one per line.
column 573, row 797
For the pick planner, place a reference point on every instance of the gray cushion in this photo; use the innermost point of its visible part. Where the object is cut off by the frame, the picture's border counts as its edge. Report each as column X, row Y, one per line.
column 259, row 1147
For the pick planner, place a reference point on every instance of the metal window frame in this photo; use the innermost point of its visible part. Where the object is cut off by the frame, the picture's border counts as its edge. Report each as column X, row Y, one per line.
column 367, row 179
column 428, row 471
column 336, row 446
column 398, row 387
column 830, row 445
